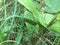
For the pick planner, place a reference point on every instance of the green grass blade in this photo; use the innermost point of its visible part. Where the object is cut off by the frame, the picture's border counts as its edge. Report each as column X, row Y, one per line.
column 19, row 36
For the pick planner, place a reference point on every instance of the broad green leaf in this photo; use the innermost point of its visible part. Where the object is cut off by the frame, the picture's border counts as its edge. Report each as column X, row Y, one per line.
column 31, row 7
column 29, row 16
column 55, row 27
column 58, row 16
column 48, row 18
column 48, row 9
column 53, row 4
column 2, row 36
column 32, row 28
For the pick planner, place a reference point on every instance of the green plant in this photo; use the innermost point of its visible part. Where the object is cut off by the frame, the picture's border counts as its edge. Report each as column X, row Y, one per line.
column 29, row 21
column 44, row 19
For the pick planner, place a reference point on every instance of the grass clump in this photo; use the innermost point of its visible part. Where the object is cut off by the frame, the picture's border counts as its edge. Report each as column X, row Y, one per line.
column 26, row 22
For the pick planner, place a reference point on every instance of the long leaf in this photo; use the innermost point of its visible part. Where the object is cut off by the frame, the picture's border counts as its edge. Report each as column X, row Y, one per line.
column 31, row 7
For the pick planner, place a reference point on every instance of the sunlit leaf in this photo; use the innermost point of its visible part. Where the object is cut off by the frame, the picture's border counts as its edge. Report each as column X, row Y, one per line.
column 55, row 27
column 31, row 7
column 58, row 16
column 48, row 18
column 29, row 16
column 53, row 4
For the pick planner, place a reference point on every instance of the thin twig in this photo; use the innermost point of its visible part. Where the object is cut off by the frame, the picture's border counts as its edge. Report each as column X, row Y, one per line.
column 47, row 40
column 7, row 41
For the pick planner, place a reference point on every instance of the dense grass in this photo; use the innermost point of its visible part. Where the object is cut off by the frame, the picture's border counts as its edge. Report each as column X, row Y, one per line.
column 14, row 28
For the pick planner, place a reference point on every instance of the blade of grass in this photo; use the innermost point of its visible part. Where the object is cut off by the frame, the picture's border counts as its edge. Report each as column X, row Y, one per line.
column 15, row 9
column 5, row 15
column 8, row 19
column 19, row 37
column 13, row 21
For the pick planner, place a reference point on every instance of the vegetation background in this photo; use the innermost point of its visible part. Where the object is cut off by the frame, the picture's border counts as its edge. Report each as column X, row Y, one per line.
column 29, row 22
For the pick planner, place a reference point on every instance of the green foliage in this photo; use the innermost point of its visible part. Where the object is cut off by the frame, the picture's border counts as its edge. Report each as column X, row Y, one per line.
column 30, row 22
column 53, row 5
column 55, row 26
column 32, row 28
column 31, row 7
column 58, row 17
